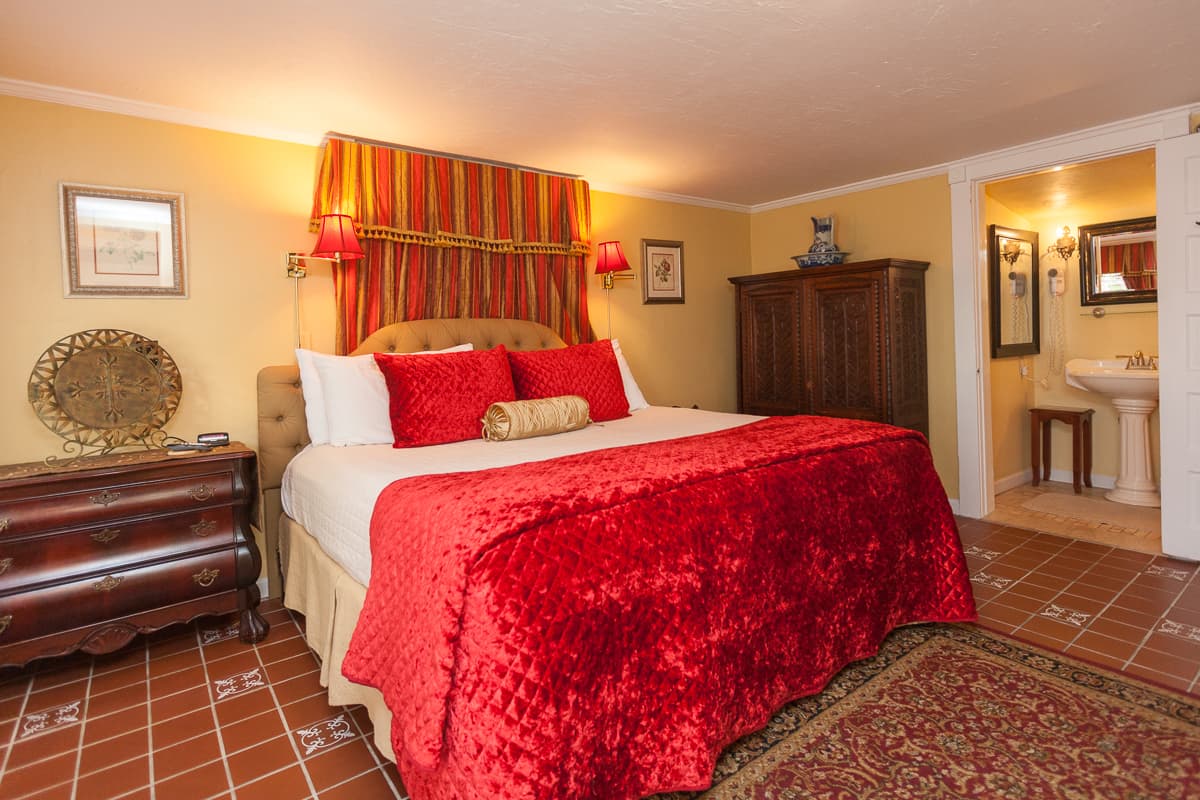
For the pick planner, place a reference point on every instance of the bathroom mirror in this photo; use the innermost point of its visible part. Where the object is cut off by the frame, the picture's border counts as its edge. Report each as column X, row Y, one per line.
column 1118, row 262
column 1013, row 291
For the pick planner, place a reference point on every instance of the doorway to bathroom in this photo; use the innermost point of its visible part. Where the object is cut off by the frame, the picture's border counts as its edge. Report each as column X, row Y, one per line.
column 1040, row 319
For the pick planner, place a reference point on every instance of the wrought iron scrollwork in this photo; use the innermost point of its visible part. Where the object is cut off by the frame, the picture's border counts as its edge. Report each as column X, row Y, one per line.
column 104, row 389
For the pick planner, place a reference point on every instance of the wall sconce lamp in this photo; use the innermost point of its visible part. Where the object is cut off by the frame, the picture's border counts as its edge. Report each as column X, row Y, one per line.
column 1010, row 251
column 336, row 242
column 611, row 265
column 1064, row 246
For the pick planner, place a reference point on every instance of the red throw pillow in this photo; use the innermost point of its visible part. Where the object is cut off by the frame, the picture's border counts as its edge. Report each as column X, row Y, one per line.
column 588, row 370
column 434, row 399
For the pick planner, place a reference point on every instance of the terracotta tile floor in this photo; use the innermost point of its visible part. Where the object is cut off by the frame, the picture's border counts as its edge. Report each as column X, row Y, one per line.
column 1134, row 612
column 192, row 712
column 188, row 713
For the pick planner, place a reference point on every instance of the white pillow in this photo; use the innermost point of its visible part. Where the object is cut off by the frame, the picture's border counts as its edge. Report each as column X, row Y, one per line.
column 314, row 398
column 632, row 393
column 352, row 404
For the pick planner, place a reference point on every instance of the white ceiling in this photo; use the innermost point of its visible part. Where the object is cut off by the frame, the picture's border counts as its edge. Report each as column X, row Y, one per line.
column 739, row 102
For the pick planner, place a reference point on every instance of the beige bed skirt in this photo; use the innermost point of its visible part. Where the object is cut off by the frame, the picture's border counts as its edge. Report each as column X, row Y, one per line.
column 330, row 600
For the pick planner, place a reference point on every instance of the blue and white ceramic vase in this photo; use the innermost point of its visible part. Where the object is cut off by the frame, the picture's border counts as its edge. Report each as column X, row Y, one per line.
column 824, row 250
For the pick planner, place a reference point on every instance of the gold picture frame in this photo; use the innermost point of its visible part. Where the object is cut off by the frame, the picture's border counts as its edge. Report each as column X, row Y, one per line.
column 122, row 242
column 662, row 271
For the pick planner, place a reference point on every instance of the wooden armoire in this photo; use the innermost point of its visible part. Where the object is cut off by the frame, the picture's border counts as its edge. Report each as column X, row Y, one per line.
column 846, row 340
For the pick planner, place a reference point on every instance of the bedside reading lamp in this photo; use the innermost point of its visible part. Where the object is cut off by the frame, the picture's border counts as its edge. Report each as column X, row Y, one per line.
column 610, row 261
column 336, row 242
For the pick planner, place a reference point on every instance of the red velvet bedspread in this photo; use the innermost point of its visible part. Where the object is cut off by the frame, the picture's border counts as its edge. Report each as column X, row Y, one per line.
column 602, row 625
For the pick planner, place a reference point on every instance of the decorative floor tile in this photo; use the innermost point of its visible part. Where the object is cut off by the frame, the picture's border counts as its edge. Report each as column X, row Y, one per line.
column 325, row 734
column 49, row 719
column 1180, row 629
column 1167, row 572
column 1067, row 615
column 214, row 635
column 990, row 580
column 979, row 552
column 238, row 684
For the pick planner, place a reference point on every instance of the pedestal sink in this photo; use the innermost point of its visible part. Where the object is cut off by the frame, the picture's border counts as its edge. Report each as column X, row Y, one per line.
column 1134, row 393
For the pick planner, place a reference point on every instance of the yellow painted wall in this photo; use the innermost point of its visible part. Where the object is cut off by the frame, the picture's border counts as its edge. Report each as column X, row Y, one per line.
column 680, row 354
column 1012, row 395
column 246, row 202
column 907, row 220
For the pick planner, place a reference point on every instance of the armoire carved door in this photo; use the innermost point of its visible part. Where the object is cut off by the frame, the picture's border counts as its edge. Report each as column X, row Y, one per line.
column 846, row 340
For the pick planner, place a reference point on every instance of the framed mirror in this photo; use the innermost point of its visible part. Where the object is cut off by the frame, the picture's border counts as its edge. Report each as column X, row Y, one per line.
column 1013, row 291
column 1118, row 262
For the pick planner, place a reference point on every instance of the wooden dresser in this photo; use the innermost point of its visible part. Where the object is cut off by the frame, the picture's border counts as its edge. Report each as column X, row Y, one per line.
column 846, row 340
column 113, row 546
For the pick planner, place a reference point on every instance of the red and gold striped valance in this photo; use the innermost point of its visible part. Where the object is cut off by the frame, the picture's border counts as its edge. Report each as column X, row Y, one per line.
column 416, row 198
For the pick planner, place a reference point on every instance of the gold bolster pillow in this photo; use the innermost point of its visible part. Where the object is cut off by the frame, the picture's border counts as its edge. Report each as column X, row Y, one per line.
column 521, row 419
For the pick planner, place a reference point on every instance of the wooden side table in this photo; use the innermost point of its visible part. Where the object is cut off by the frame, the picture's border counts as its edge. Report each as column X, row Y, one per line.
column 1080, row 420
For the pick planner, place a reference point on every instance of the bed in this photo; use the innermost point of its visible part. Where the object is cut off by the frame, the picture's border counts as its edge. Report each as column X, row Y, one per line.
column 610, row 619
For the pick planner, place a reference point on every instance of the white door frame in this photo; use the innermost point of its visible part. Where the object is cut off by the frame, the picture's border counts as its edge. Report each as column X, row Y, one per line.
column 976, row 488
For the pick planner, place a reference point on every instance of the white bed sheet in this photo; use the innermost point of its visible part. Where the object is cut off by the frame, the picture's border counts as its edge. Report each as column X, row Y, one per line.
column 331, row 491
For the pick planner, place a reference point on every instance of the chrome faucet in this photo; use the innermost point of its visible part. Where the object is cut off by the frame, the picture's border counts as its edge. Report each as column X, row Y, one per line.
column 1140, row 361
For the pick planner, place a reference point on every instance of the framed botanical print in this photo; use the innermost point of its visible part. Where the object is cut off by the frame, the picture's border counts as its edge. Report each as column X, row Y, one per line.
column 662, row 271
column 122, row 242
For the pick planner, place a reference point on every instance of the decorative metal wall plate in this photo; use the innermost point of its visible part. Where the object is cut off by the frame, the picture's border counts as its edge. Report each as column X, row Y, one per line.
column 102, row 389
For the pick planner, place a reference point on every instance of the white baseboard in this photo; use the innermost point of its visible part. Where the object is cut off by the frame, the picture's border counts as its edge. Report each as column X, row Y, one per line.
column 1060, row 475
column 954, row 506
column 262, row 587
column 1013, row 481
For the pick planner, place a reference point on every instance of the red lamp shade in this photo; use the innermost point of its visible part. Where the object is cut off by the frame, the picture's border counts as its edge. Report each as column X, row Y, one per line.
column 336, row 238
column 609, row 258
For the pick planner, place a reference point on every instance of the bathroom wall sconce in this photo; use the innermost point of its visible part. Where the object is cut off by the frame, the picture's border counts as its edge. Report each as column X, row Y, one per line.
column 1010, row 251
column 336, row 242
column 1064, row 246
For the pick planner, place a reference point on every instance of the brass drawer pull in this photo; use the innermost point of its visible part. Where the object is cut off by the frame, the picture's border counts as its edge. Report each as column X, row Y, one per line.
column 107, row 535
column 206, row 577
column 107, row 584
column 5, row 621
column 4, row 523
column 204, row 527
column 5, row 563
column 201, row 492
column 105, row 498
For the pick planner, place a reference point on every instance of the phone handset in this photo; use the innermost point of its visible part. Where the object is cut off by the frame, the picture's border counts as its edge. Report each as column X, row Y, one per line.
column 1016, row 284
column 1058, row 282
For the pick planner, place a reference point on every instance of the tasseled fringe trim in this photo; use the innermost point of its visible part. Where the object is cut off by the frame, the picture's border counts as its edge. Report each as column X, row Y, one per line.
column 447, row 239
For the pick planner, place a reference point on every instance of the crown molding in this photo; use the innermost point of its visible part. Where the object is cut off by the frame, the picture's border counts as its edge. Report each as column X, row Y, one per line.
column 1174, row 122
column 1100, row 141
column 135, row 108
column 668, row 197
column 1171, row 122
column 857, row 186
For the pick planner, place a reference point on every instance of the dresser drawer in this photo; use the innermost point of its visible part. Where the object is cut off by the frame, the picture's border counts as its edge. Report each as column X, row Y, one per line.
column 95, row 500
column 53, row 557
column 72, row 604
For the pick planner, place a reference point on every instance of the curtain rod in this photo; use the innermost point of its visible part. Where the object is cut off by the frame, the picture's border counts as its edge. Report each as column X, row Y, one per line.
column 440, row 154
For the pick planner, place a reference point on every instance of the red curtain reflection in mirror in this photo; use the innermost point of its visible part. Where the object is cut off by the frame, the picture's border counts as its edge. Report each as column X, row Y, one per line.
column 1136, row 262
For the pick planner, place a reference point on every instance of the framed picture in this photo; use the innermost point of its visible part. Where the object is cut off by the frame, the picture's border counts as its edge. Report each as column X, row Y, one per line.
column 122, row 242
column 662, row 271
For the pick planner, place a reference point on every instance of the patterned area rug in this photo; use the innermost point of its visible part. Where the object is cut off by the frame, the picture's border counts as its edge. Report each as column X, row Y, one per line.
column 951, row 711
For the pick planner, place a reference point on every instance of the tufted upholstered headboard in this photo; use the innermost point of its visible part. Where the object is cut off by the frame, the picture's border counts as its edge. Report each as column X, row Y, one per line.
column 283, row 430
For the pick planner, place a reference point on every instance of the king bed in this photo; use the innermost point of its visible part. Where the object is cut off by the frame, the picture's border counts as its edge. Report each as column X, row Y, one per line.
column 596, row 613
